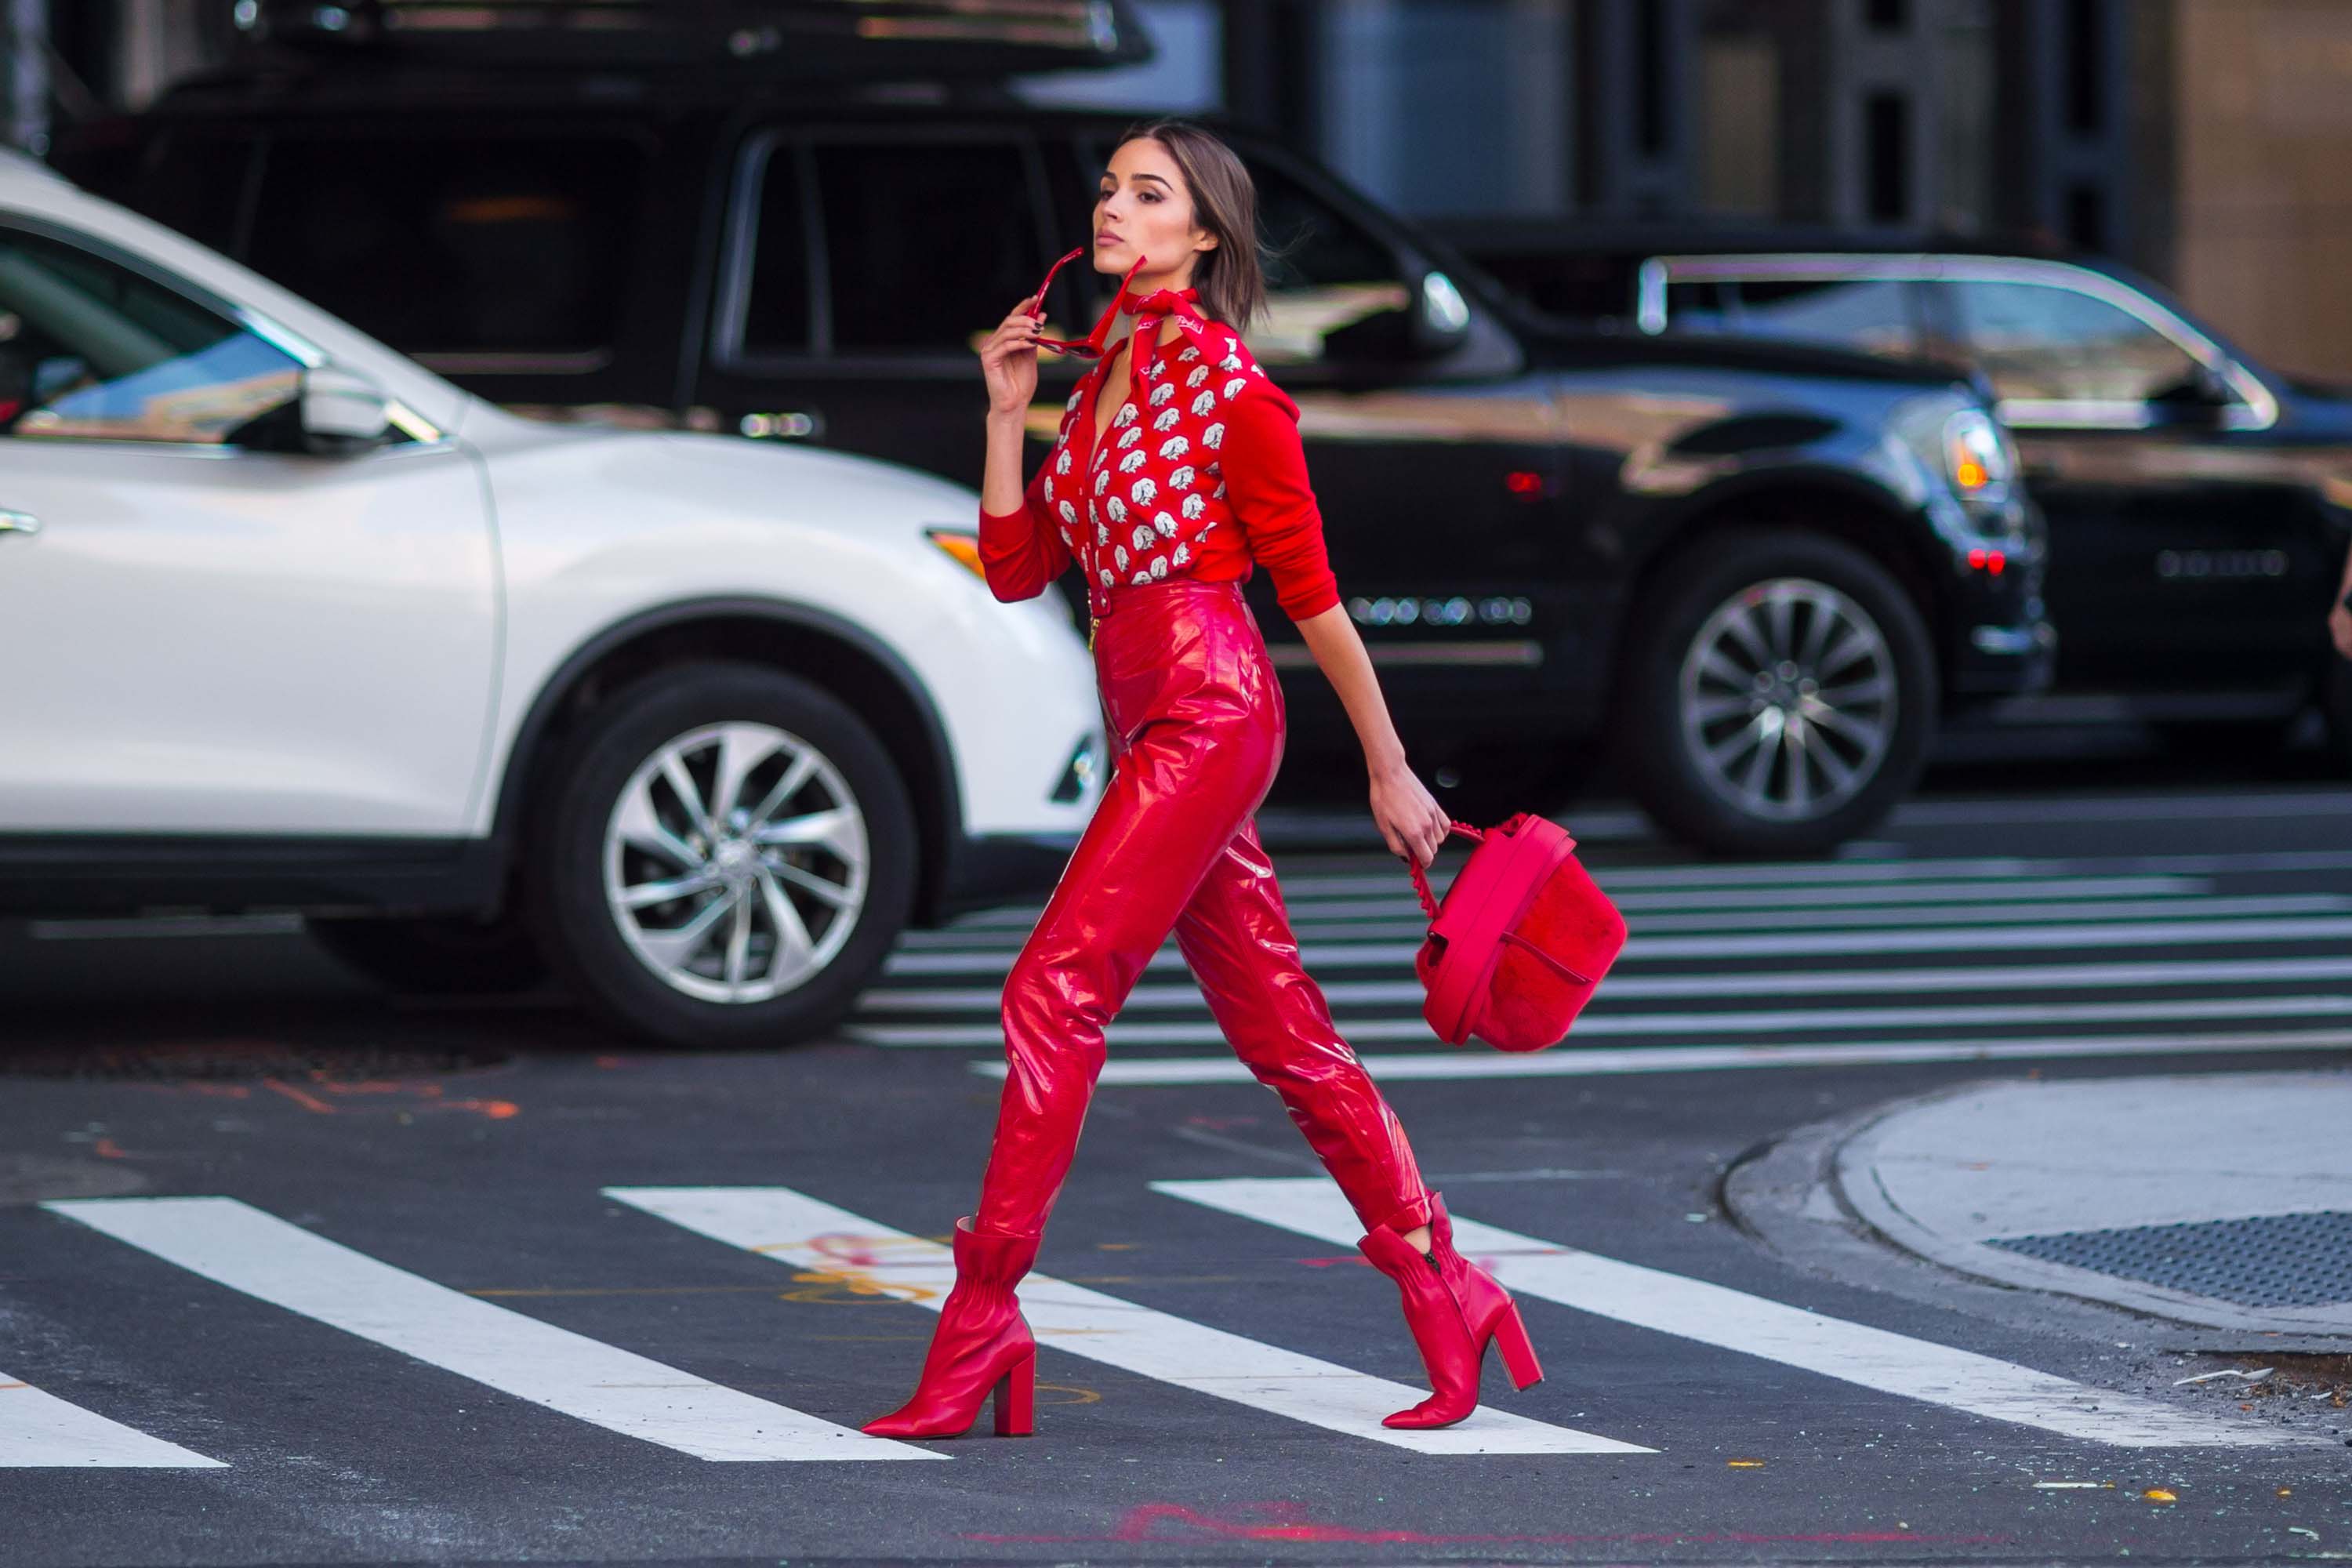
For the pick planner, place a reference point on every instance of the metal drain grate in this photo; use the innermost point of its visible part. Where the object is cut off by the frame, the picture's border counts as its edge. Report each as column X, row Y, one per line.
column 2272, row 1260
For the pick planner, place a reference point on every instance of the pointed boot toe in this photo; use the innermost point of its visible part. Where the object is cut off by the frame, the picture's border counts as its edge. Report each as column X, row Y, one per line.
column 1455, row 1310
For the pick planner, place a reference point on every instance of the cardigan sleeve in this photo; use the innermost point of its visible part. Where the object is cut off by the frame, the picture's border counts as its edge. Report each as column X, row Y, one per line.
column 1022, row 551
column 1264, row 470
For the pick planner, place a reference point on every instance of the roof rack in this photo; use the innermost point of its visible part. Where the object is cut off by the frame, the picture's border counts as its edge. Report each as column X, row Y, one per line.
column 771, row 38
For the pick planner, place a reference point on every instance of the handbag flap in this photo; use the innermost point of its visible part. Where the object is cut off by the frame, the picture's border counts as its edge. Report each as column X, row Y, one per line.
column 1488, row 897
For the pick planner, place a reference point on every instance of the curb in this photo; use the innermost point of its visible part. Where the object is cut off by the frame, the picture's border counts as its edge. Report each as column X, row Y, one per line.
column 1853, row 1172
column 1786, row 1194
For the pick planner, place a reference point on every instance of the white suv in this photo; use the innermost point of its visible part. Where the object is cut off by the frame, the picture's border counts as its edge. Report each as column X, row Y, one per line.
column 286, row 621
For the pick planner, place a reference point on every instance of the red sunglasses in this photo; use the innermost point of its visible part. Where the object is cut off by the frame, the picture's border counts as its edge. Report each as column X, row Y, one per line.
column 1091, row 345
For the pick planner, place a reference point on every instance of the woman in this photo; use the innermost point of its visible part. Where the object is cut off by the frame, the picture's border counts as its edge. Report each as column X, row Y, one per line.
column 1198, row 475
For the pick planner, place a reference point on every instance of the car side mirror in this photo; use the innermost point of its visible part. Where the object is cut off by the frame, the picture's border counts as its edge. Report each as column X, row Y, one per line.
column 343, row 412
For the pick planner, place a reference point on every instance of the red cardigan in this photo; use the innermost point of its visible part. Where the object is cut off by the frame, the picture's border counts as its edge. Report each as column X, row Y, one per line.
column 1263, row 473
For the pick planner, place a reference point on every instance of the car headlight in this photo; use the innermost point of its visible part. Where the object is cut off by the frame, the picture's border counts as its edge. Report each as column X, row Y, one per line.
column 1978, row 458
column 963, row 546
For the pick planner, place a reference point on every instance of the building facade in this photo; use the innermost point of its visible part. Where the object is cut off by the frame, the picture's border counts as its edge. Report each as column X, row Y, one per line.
column 2200, row 141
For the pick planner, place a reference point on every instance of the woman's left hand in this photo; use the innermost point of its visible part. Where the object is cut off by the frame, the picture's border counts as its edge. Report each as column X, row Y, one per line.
column 1407, row 814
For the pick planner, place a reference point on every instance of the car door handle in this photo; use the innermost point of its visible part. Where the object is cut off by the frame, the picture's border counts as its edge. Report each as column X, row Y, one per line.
column 19, row 522
column 794, row 425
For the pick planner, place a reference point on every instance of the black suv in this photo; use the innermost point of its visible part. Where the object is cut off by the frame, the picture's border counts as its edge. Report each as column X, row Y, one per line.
column 2199, row 504
column 1764, row 568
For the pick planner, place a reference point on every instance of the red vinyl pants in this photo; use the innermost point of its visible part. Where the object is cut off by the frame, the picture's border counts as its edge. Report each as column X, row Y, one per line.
column 1196, row 720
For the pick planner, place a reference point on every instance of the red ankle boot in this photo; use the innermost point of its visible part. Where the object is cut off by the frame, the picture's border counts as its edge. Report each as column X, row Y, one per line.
column 1454, row 1307
column 982, row 1342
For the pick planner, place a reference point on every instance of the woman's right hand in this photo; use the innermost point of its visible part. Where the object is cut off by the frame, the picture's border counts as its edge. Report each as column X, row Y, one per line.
column 1008, row 359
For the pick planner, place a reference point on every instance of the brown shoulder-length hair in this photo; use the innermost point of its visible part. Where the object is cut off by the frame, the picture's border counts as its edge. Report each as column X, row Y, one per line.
column 1231, row 278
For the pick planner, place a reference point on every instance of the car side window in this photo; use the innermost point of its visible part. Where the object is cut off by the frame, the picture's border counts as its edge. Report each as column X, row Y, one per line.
column 92, row 350
column 2039, row 343
column 1870, row 315
column 455, row 244
column 1324, row 272
column 1700, row 309
column 777, row 302
column 927, row 243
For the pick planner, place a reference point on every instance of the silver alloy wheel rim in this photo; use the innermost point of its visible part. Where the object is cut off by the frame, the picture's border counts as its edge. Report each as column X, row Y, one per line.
column 736, row 862
column 1789, row 699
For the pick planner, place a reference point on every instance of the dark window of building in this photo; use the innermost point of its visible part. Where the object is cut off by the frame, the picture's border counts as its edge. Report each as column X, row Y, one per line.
column 1653, row 129
column 776, row 300
column 458, row 240
column 928, row 244
column 1886, row 157
column 2086, row 66
column 1887, row 15
column 92, row 351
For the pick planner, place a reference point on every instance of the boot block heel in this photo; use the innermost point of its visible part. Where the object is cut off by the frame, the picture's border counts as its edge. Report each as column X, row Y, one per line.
column 1016, row 1398
column 1518, row 1355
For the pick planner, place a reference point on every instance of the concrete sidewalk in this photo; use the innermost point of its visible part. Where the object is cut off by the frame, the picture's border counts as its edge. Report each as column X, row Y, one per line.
column 2223, row 1200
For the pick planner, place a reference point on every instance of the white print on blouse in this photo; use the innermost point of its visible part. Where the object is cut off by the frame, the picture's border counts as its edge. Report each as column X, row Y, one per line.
column 1145, row 552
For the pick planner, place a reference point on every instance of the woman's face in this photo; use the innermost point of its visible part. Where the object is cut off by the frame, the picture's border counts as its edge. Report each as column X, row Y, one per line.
column 1144, row 208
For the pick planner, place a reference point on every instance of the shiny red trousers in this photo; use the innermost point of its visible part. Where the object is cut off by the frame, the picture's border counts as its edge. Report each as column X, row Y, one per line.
column 1195, row 720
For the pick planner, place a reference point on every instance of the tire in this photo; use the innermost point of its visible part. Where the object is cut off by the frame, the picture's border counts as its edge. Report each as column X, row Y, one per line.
column 1685, row 715
column 612, row 819
column 452, row 956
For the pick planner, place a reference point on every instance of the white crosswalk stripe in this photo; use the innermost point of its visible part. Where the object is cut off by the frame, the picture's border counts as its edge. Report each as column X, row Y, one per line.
column 264, row 1256
column 40, row 1431
column 978, row 931
column 816, row 1237
column 1752, row 1325
column 1400, row 1067
column 1395, row 924
column 1726, row 934
column 1809, row 1020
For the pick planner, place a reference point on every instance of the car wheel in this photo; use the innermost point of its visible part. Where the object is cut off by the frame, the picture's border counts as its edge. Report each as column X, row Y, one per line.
column 1780, row 695
column 451, row 956
column 726, row 856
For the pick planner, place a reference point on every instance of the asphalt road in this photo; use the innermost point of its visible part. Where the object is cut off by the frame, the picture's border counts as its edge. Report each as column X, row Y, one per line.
column 454, row 1282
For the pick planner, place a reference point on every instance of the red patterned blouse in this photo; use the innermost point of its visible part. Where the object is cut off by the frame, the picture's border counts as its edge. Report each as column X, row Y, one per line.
column 1203, row 475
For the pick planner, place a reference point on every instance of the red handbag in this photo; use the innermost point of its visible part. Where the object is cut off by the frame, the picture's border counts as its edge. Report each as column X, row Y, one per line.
column 1521, row 941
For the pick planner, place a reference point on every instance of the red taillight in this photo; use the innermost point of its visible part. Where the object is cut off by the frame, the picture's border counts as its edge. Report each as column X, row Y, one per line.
column 1522, row 483
column 1992, row 561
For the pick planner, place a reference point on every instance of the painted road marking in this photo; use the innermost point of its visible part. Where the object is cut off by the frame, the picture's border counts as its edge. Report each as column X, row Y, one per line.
column 1384, row 881
column 1877, row 918
column 2274, row 804
column 1782, row 945
column 1739, row 983
column 1399, row 903
column 264, row 1256
column 804, row 1234
column 1410, row 924
column 1446, row 1065
column 1752, row 1325
column 40, row 1431
column 1783, row 1021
